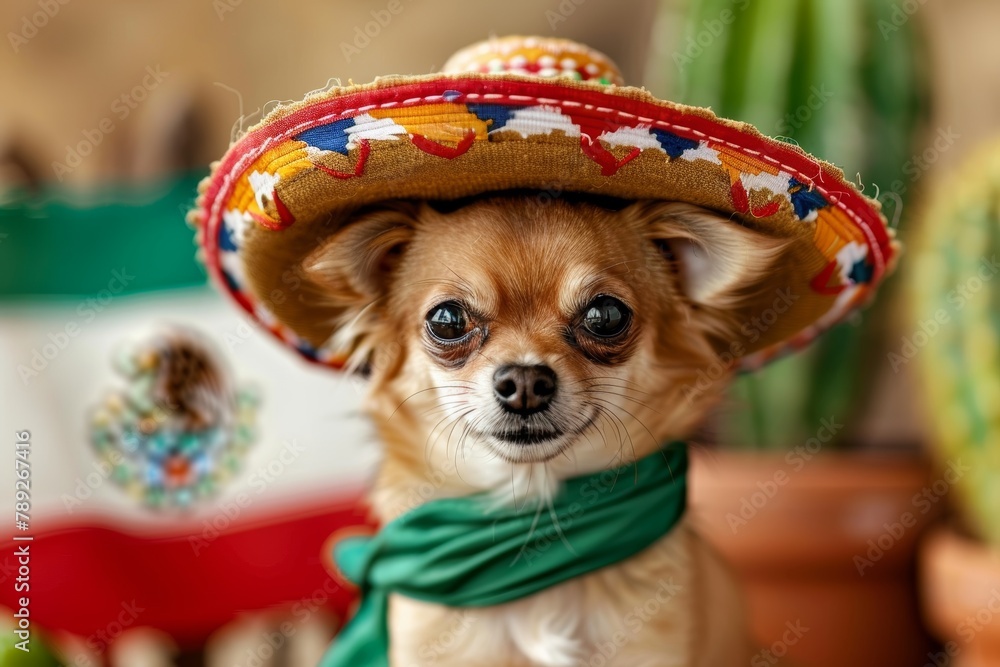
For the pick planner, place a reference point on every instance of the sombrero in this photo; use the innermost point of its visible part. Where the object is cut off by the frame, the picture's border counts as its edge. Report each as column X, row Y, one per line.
column 524, row 113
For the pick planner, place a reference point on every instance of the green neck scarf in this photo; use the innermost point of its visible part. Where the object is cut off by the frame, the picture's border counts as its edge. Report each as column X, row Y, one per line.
column 469, row 552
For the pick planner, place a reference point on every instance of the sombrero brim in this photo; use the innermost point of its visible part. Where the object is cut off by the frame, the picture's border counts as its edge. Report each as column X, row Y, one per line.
column 293, row 180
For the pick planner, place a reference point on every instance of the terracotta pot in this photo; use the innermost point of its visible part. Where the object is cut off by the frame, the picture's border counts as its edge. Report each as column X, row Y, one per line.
column 825, row 549
column 960, row 587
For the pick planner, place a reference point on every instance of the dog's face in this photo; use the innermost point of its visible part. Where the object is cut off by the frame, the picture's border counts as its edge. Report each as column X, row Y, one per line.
column 532, row 313
column 531, row 331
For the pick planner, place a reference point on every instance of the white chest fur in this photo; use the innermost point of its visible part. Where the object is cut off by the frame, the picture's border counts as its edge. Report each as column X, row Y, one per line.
column 635, row 613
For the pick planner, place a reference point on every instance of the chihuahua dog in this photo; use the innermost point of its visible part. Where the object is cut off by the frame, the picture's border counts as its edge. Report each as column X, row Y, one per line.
column 515, row 344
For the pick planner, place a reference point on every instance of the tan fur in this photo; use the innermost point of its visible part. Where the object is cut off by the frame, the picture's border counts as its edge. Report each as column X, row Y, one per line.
column 526, row 269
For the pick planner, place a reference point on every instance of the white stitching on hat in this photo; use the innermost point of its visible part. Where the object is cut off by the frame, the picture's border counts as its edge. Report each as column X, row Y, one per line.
column 265, row 145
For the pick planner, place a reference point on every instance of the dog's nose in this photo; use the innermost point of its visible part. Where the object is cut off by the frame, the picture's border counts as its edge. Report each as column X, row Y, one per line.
column 524, row 390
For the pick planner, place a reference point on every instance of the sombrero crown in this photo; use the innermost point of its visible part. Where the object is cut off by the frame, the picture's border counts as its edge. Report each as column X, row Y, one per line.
column 535, row 113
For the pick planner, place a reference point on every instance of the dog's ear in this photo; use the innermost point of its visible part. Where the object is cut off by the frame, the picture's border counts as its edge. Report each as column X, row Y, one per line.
column 356, row 263
column 717, row 259
column 353, row 269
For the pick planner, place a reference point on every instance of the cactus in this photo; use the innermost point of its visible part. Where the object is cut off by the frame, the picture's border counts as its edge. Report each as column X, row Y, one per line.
column 833, row 79
column 954, row 295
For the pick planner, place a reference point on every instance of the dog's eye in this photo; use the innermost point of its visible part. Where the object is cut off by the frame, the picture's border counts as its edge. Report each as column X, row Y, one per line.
column 448, row 321
column 606, row 317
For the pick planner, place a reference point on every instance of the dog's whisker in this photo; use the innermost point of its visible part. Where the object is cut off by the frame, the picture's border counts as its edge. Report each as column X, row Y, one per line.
column 633, row 416
column 365, row 308
column 469, row 430
column 606, row 425
column 631, row 385
column 428, row 444
column 431, row 281
column 465, row 389
column 614, row 421
column 461, row 280
column 615, row 418
column 444, row 405
column 616, row 264
column 600, row 431
column 635, row 458
column 555, row 521
column 513, row 491
column 447, row 443
column 486, row 356
column 531, row 530
column 460, row 445
column 591, row 391
column 592, row 378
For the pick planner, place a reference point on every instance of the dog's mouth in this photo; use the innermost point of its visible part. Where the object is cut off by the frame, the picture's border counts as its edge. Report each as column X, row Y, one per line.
column 527, row 436
column 534, row 444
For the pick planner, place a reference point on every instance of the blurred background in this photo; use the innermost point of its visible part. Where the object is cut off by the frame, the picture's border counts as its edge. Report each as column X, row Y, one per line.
column 855, row 488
